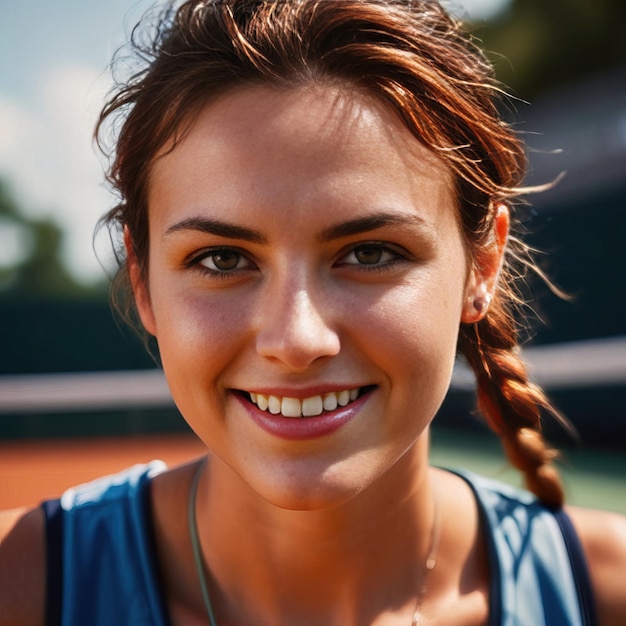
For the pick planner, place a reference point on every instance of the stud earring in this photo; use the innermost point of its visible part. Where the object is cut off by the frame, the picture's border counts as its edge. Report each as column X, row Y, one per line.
column 481, row 303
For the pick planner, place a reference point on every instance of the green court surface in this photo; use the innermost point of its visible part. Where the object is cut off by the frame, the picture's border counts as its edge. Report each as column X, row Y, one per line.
column 592, row 478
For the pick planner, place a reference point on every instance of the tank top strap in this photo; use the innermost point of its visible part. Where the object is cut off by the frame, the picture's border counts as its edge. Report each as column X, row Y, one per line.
column 539, row 573
column 102, row 566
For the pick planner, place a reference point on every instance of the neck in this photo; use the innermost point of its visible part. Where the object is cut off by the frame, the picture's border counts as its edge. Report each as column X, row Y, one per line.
column 344, row 564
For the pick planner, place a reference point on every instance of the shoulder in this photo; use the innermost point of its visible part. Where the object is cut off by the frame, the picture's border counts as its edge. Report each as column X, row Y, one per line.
column 22, row 567
column 111, row 489
column 23, row 554
column 603, row 537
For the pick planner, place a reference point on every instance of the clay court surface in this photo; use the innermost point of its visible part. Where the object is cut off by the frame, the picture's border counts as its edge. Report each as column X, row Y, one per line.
column 34, row 470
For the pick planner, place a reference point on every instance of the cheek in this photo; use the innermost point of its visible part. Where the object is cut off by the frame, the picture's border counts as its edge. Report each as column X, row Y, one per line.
column 197, row 336
column 196, row 321
column 410, row 333
column 422, row 312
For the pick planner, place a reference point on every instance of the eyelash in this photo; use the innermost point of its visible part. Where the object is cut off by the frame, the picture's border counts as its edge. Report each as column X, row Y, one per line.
column 396, row 256
column 196, row 262
column 384, row 248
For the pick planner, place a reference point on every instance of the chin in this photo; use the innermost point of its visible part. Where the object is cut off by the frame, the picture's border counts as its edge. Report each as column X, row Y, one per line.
column 304, row 487
column 320, row 498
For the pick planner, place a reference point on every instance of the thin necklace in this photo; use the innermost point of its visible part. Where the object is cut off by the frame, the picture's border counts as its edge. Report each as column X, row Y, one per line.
column 431, row 560
column 429, row 564
column 195, row 542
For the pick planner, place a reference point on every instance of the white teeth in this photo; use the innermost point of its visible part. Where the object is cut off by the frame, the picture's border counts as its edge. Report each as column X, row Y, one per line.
column 274, row 405
column 261, row 401
column 307, row 407
column 312, row 406
column 343, row 397
column 291, row 407
column 330, row 401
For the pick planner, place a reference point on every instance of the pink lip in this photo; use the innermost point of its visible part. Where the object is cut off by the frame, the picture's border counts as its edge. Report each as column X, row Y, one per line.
column 309, row 392
column 294, row 428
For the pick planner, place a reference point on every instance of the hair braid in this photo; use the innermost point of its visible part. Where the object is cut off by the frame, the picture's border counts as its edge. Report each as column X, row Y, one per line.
column 510, row 402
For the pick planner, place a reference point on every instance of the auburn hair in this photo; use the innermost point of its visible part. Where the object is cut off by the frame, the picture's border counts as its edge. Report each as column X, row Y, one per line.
column 412, row 56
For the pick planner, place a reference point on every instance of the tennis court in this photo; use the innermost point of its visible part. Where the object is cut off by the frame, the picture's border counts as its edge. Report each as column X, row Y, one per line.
column 33, row 470
column 63, row 429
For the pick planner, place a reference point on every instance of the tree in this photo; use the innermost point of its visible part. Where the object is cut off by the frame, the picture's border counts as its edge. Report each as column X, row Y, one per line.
column 39, row 271
column 541, row 44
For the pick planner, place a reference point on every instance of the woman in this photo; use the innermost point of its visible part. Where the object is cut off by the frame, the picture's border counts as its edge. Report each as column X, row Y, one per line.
column 315, row 203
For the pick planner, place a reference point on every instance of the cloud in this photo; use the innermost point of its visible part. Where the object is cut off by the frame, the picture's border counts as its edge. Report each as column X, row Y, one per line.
column 48, row 157
column 46, row 148
column 19, row 130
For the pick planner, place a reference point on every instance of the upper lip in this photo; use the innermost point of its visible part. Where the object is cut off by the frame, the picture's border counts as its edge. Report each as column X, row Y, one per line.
column 302, row 392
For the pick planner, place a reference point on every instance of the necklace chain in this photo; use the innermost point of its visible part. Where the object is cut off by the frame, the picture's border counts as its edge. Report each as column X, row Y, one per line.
column 431, row 560
column 429, row 564
column 195, row 542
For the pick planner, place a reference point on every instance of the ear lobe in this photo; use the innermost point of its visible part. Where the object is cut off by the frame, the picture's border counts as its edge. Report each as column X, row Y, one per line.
column 477, row 299
column 139, row 286
column 483, row 278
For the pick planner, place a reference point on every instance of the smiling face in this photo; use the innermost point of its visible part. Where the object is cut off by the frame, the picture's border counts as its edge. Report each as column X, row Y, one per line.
column 305, row 258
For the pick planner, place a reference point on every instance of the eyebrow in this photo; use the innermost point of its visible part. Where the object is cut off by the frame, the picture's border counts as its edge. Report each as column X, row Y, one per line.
column 368, row 223
column 216, row 227
column 336, row 231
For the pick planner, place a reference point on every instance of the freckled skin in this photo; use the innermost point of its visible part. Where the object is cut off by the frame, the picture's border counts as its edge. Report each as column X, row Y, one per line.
column 289, row 295
column 299, row 310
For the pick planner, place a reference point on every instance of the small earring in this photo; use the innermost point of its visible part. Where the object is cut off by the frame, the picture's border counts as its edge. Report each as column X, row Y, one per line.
column 482, row 302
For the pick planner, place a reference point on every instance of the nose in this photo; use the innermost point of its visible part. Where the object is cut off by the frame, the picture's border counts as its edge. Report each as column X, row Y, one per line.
column 295, row 329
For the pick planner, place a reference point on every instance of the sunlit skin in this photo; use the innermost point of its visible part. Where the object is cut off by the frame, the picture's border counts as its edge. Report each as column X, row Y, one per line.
column 302, row 242
column 299, row 313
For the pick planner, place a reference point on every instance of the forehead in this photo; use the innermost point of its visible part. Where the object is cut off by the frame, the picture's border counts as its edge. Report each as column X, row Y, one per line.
column 270, row 146
column 304, row 117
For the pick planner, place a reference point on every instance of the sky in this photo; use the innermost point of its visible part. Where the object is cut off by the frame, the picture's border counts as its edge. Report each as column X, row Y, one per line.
column 54, row 58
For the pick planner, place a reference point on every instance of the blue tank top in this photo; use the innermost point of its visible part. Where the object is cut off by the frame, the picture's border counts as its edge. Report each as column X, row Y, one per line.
column 103, row 570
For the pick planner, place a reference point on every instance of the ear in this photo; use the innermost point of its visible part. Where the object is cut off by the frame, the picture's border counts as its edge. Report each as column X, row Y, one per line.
column 139, row 286
column 483, row 276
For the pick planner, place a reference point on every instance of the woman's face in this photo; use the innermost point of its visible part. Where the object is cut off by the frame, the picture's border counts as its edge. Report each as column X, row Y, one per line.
column 305, row 257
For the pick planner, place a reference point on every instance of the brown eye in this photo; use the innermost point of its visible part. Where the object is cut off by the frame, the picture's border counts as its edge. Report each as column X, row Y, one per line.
column 368, row 255
column 224, row 260
column 372, row 256
column 227, row 260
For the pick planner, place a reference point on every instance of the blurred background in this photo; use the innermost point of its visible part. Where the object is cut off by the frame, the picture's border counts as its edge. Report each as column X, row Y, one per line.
column 79, row 396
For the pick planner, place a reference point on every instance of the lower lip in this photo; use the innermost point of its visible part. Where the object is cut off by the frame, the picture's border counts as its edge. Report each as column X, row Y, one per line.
column 295, row 428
